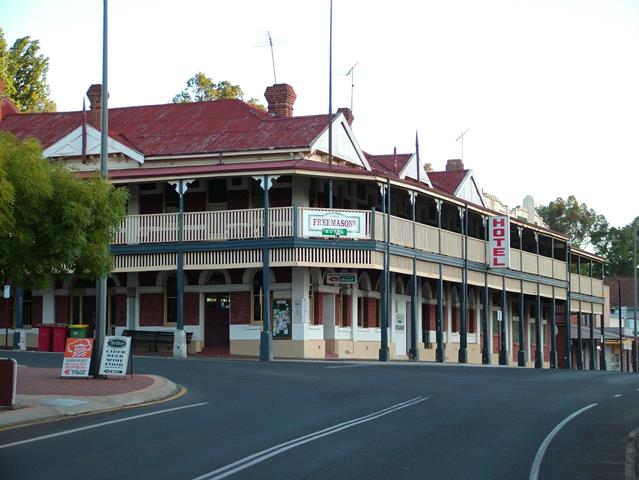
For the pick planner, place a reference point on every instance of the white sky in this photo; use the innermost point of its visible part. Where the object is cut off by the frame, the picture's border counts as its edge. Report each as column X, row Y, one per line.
column 548, row 88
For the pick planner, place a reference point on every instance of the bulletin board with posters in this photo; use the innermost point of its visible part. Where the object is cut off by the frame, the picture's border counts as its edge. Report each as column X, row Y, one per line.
column 281, row 319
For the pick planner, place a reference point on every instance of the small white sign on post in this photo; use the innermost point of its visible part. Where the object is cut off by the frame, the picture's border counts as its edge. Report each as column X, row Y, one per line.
column 7, row 291
column 115, row 356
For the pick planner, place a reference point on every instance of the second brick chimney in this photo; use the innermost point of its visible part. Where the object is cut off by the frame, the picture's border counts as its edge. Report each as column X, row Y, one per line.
column 454, row 164
column 94, row 94
column 348, row 114
column 280, row 98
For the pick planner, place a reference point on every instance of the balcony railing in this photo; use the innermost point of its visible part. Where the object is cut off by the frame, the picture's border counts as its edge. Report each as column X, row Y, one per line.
column 248, row 224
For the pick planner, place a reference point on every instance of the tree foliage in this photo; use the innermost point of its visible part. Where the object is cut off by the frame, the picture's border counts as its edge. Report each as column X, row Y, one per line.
column 618, row 250
column 580, row 223
column 52, row 223
column 24, row 72
column 201, row 88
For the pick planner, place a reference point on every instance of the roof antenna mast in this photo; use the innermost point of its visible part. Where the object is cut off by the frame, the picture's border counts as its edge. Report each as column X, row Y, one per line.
column 270, row 42
column 461, row 137
column 351, row 72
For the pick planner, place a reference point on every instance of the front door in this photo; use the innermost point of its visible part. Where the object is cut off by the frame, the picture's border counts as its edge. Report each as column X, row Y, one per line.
column 216, row 320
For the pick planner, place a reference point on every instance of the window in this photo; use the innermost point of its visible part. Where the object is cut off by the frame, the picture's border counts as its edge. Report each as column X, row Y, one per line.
column 217, row 190
column 257, row 296
column 257, row 195
column 171, row 199
column 171, row 299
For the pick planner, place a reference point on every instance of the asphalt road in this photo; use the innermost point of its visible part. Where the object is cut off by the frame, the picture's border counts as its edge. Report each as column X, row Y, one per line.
column 318, row 420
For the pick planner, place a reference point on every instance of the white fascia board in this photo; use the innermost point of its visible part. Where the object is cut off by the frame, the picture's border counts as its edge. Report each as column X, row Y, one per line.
column 410, row 171
column 341, row 131
column 71, row 145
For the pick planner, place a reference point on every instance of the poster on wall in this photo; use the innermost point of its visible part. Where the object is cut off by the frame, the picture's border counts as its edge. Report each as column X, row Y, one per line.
column 281, row 319
column 77, row 357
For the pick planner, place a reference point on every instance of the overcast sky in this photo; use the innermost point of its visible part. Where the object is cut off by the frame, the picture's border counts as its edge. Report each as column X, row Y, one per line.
column 548, row 88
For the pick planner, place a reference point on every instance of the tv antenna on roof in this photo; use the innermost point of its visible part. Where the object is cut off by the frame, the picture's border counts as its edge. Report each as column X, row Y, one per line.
column 351, row 72
column 269, row 42
column 461, row 137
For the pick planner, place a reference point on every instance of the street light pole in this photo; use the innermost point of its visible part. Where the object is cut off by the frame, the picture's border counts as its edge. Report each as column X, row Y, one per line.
column 634, row 296
column 620, row 326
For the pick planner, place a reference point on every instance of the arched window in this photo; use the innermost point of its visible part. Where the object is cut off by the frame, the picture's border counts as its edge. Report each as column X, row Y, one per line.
column 216, row 278
column 171, row 298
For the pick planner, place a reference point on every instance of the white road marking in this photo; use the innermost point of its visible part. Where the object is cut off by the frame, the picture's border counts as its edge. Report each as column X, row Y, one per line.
column 97, row 425
column 534, row 470
column 346, row 366
column 263, row 455
column 618, row 395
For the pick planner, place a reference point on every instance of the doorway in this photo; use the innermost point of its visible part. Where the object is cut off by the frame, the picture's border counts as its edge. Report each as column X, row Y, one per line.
column 216, row 320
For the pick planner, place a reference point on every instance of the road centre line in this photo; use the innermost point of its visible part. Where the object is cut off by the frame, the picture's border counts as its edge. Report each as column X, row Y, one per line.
column 618, row 395
column 534, row 470
column 346, row 366
column 97, row 425
column 263, row 455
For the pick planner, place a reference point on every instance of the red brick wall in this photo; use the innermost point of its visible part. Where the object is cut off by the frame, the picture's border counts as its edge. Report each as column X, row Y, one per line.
column 36, row 310
column 471, row 321
column 455, row 318
column 195, row 201
column 151, row 309
column 370, row 317
column 347, row 307
column 191, row 308
column 150, row 204
column 318, row 308
column 120, row 307
column 237, row 199
column 240, row 308
column 4, row 317
column 62, row 309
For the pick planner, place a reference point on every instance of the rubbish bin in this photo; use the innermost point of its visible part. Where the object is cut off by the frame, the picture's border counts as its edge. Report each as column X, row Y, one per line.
column 60, row 334
column 45, row 337
column 78, row 331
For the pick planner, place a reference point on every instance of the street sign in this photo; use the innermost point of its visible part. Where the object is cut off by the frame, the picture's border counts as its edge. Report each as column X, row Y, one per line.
column 349, row 278
column 7, row 291
column 77, row 357
column 334, row 232
column 115, row 356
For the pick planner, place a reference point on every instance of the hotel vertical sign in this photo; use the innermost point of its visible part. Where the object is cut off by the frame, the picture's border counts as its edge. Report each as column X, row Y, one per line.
column 499, row 242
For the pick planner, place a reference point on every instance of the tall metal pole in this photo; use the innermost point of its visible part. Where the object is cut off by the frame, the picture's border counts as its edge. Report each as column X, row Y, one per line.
column 568, row 340
column 414, row 352
column 439, row 318
column 266, row 338
column 521, row 356
column 620, row 327
column 502, row 328
column 539, row 346
column 463, row 330
column 384, row 355
column 553, row 329
column 330, row 104
column 634, row 296
column 485, row 353
column 602, row 352
column 591, row 324
column 101, row 284
column 580, row 340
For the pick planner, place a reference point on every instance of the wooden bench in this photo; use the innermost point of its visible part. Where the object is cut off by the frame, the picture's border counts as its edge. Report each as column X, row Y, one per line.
column 154, row 337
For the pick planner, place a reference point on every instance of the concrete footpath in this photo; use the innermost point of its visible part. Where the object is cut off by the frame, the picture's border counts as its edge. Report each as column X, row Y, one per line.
column 42, row 395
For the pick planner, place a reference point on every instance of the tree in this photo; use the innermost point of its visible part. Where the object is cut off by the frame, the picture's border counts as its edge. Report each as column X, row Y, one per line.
column 201, row 88
column 581, row 224
column 618, row 250
column 24, row 72
column 57, row 224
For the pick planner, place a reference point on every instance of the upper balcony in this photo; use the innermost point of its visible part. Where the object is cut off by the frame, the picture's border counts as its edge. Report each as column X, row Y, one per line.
column 283, row 222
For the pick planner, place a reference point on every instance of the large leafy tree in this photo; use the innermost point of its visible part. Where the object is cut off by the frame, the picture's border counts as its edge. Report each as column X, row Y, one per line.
column 24, row 72
column 201, row 88
column 618, row 250
column 53, row 223
column 582, row 224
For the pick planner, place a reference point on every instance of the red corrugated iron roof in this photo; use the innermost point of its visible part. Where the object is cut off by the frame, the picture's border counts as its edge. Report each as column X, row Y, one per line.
column 385, row 164
column 181, row 129
column 447, row 181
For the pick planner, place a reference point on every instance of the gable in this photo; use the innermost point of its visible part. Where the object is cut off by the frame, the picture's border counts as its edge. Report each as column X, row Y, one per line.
column 71, row 146
column 410, row 171
column 345, row 145
column 468, row 189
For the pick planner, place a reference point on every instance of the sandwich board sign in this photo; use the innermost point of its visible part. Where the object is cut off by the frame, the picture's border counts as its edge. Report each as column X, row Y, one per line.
column 115, row 356
column 77, row 357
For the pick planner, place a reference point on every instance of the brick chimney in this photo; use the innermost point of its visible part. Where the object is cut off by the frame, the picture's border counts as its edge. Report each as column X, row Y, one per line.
column 280, row 98
column 94, row 93
column 454, row 164
column 348, row 114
